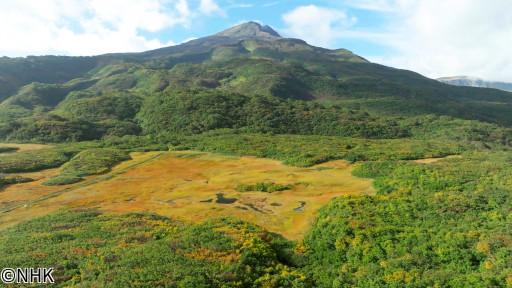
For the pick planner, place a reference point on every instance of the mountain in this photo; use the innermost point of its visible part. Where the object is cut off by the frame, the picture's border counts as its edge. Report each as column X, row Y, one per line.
column 76, row 98
column 475, row 82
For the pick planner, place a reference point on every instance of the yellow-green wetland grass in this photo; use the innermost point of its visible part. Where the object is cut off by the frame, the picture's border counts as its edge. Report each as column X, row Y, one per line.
column 24, row 147
column 193, row 186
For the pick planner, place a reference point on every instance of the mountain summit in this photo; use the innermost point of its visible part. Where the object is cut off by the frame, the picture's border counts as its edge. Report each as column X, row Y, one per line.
column 250, row 30
column 250, row 40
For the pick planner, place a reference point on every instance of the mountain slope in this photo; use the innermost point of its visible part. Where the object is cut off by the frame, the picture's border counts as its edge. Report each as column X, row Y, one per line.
column 475, row 82
column 248, row 59
column 16, row 72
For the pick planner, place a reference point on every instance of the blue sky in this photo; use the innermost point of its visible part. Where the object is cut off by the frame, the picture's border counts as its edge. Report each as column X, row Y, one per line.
column 433, row 37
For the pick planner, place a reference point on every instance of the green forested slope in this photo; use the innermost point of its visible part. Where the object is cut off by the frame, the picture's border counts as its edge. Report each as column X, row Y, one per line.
column 89, row 249
column 16, row 72
column 80, row 98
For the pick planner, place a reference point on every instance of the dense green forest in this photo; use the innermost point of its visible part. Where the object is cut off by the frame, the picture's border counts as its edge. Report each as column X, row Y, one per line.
column 441, row 225
column 445, row 223
column 196, row 111
column 146, row 250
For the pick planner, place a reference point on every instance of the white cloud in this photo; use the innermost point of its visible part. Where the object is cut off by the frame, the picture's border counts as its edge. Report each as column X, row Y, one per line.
column 210, row 7
column 450, row 37
column 88, row 27
column 318, row 25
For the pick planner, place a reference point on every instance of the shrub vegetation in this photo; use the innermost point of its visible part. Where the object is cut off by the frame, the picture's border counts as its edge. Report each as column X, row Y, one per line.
column 445, row 224
column 267, row 187
column 146, row 250
column 88, row 162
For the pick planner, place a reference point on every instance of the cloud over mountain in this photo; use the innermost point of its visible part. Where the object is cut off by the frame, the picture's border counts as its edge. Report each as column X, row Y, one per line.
column 319, row 25
column 81, row 27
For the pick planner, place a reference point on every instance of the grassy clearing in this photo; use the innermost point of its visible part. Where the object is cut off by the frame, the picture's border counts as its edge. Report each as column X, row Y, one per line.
column 24, row 147
column 185, row 185
column 434, row 160
column 88, row 162
column 20, row 202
